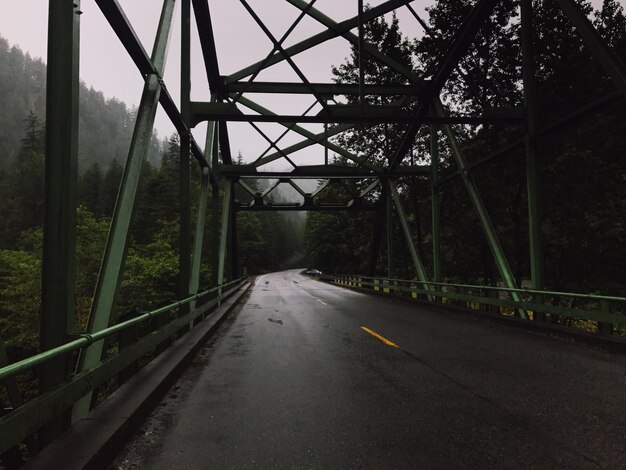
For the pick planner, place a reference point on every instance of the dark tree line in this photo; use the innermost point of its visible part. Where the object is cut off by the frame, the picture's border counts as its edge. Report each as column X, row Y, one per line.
column 582, row 166
column 106, row 124
column 266, row 241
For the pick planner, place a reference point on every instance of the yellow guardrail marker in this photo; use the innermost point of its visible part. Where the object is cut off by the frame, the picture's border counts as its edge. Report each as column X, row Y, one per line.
column 381, row 338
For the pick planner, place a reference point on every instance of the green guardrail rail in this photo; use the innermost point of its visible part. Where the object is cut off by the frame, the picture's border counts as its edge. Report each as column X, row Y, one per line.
column 608, row 312
column 28, row 418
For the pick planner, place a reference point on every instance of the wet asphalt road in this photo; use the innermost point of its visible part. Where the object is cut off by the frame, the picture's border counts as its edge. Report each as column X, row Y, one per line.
column 292, row 380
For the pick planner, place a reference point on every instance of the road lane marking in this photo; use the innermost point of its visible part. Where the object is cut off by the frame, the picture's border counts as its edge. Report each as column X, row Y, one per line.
column 321, row 301
column 381, row 338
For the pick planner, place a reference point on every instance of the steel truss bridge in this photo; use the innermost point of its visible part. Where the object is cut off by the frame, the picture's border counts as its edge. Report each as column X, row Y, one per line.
column 72, row 366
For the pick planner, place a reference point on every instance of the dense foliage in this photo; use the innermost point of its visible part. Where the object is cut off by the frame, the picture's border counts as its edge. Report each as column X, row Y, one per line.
column 581, row 165
column 105, row 126
column 266, row 241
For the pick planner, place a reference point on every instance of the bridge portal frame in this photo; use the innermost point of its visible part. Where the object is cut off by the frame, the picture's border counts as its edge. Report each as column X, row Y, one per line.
column 227, row 92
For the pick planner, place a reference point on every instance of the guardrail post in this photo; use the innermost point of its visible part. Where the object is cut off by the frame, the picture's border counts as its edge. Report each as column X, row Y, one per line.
column 462, row 291
column 126, row 338
column 605, row 328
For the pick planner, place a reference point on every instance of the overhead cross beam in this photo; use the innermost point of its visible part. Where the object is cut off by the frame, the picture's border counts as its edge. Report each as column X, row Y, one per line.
column 329, row 89
column 345, row 114
column 340, row 29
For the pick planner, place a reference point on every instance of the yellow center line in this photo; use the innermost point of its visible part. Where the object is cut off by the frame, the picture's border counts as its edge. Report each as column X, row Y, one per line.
column 381, row 338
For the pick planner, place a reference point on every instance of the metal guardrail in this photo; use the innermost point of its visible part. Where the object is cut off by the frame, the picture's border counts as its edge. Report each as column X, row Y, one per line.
column 609, row 312
column 31, row 416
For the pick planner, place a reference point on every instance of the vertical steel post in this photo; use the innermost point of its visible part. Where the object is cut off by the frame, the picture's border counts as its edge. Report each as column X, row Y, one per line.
column 233, row 248
column 417, row 261
column 434, row 193
column 196, row 258
column 325, row 144
column 389, row 225
column 184, row 234
column 532, row 165
column 361, row 56
column 59, row 242
column 184, row 190
column 226, row 203
column 490, row 233
column 112, row 269
column 215, row 209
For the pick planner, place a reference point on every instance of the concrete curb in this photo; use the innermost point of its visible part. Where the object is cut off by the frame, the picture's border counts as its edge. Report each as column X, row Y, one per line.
column 607, row 343
column 96, row 439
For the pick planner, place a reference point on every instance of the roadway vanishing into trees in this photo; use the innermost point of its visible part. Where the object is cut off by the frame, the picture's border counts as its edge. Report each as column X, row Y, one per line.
column 309, row 375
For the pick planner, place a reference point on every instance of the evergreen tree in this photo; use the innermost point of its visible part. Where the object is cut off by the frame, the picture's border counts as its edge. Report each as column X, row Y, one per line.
column 110, row 187
column 90, row 190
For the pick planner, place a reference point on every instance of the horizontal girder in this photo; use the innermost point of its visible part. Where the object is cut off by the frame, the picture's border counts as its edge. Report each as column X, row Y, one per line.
column 327, row 89
column 319, row 171
column 209, row 111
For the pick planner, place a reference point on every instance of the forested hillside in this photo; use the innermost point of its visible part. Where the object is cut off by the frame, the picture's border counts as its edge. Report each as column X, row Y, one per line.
column 582, row 165
column 106, row 124
column 267, row 242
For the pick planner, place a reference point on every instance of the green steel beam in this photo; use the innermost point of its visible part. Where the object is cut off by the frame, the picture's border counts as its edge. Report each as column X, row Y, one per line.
column 184, row 181
column 446, row 65
column 327, row 89
column 278, row 47
column 233, row 252
column 343, row 28
column 320, row 171
column 203, row 200
column 485, row 222
column 601, row 51
column 389, row 226
column 184, row 225
column 111, row 272
column 287, row 130
column 224, row 142
column 226, row 206
column 422, row 23
column 31, row 416
column 417, row 261
column 59, row 243
column 297, row 207
column 532, row 164
column 124, row 31
column 463, row 40
column 308, row 7
column 434, row 193
column 377, row 236
column 312, row 139
column 346, row 114
column 354, row 39
column 207, row 44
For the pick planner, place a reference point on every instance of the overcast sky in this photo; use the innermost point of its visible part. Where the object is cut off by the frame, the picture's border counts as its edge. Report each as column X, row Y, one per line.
column 240, row 42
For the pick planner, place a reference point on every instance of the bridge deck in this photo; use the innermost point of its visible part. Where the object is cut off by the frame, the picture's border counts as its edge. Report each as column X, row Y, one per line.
column 293, row 381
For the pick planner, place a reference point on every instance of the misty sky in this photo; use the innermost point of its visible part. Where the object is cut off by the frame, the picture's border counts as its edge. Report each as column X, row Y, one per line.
column 106, row 66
